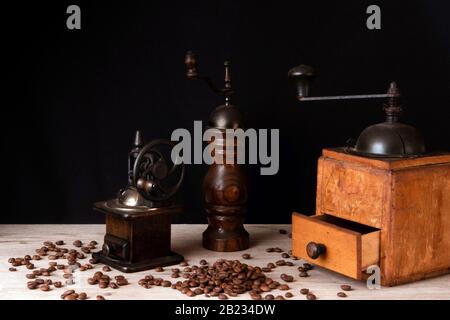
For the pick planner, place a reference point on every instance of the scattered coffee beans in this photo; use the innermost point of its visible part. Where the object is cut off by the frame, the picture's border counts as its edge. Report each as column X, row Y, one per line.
column 341, row 294
column 246, row 256
column 288, row 295
column 12, row 269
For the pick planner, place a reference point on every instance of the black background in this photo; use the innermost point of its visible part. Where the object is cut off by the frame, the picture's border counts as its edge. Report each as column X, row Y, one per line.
column 74, row 98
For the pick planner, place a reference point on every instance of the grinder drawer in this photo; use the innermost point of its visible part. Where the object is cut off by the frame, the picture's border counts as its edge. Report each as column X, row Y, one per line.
column 340, row 245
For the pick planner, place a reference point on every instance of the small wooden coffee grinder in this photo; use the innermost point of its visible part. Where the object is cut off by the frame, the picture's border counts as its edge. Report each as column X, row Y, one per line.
column 383, row 201
column 138, row 221
column 225, row 185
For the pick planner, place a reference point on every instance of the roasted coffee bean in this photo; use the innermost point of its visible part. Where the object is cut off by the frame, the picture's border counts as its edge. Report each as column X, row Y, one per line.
column 269, row 297
column 119, row 277
column 48, row 244
column 279, row 298
column 203, row 262
column 285, row 255
column 265, row 269
column 103, row 284
column 86, row 250
column 246, row 256
column 342, row 295
column 283, row 287
column 159, row 269
column 304, row 291
column 82, row 296
column 223, row 296
column 346, row 287
column 166, row 284
column 269, row 250
column 32, row 285
column 11, row 260
column 30, row 276
column 311, row 296
column 198, row 291
column 93, row 243
column 77, row 243
column 264, row 287
column 307, row 266
column 289, row 264
column 113, row 285
column 271, row 265
column 286, row 277
column 256, row 296
column 27, row 257
column 106, row 269
column 303, row 274
column 175, row 275
column 93, row 261
column 282, row 231
column 277, row 250
column 280, row 263
column 36, row 257
column 288, row 295
column 100, row 297
column 66, row 293
column 184, row 264
column 30, row 266
column 72, row 296
column 301, row 269
column 187, row 269
column 122, row 282
column 44, row 287
column 12, row 269
column 57, row 284
column 59, row 242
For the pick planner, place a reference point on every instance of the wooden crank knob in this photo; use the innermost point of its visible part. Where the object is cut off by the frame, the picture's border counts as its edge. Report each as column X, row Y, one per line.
column 314, row 250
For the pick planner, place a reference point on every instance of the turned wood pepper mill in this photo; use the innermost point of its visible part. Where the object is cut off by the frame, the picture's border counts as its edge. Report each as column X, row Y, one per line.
column 225, row 185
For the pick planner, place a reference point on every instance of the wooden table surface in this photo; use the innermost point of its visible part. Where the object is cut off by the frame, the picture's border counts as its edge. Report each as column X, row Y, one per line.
column 19, row 240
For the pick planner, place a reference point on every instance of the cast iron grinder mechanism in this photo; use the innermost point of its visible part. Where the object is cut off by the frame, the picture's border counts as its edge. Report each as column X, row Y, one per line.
column 225, row 185
column 138, row 221
column 389, row 139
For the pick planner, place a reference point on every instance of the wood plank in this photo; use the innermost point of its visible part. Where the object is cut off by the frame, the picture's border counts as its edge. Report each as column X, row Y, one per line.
column 18, row 240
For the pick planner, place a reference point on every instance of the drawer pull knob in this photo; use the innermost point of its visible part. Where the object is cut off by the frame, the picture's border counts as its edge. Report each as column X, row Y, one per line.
column 314, row 250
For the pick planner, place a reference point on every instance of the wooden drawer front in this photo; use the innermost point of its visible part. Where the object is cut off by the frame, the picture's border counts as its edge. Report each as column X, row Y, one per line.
column 350, row 247
column 352, row 191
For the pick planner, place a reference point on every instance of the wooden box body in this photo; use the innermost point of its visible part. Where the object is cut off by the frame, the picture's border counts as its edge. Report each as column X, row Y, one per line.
column 138, row 239
column 405, row 201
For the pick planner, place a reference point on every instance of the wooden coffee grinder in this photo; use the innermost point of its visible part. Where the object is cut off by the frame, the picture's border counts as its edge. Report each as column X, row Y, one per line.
column 225, row 185
column 383, row 201
column 138, row 221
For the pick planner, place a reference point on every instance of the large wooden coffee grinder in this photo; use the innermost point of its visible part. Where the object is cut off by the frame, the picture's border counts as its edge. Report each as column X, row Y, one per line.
column 225, row 183
column 382, row 202
column 138, row 221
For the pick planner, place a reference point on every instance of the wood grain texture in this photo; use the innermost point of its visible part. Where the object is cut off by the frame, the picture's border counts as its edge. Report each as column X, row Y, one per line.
column 352, row 191
column 18, row 240
column 420, row 226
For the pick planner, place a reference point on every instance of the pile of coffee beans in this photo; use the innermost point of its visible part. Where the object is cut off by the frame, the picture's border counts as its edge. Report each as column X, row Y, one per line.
column 222, row 279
